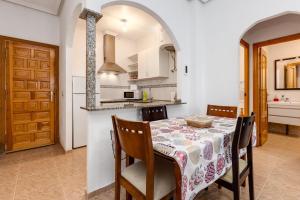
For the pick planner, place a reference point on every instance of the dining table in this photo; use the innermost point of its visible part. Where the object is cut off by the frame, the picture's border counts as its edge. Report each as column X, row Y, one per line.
column 200, row 156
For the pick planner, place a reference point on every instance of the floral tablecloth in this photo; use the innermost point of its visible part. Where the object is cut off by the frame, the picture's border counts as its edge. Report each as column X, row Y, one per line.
column 204, row 155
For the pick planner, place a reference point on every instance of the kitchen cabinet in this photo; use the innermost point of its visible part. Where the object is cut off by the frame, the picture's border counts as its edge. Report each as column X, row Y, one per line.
column 153, row 63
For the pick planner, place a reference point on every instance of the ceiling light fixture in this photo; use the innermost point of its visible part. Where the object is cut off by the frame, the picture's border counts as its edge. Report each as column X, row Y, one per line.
column 125, row 27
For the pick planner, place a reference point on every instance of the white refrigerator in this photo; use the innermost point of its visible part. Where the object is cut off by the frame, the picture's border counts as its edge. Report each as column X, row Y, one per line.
column 79, row 95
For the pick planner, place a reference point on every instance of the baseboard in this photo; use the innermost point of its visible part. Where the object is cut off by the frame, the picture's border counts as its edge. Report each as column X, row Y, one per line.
column 99, row 191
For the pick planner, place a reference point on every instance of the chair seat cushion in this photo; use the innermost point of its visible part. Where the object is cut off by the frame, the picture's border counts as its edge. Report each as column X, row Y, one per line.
column 228, row 176
column 164, row 178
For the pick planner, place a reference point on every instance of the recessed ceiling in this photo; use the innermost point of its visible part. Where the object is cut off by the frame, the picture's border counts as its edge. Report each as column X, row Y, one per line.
column 48, row 6
column 138, row 23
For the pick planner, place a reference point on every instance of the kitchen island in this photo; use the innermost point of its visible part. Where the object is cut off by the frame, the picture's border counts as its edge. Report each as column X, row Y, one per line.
column 98, row 126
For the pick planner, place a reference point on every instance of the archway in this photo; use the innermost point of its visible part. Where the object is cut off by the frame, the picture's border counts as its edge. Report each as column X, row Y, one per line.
column 269, row 31
column 151, row 13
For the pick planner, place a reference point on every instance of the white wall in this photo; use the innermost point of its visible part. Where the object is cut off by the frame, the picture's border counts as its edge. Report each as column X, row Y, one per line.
column 68, row 18
column 280, row 51
column 25, row 23
column 223, row 29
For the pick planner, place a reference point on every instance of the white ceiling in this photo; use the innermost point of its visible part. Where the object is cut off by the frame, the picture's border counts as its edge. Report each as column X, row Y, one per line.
column 139, row 23
column 284, row 19
column 48, row 6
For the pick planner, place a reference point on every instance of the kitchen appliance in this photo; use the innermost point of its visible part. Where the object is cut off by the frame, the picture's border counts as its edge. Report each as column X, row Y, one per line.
column 132, row 94
column 109, row 52
column 79, row 115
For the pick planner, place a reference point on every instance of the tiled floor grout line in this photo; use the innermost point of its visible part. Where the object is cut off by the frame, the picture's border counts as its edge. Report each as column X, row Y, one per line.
column 59, row 179
column 265, row 183
column 17, row 178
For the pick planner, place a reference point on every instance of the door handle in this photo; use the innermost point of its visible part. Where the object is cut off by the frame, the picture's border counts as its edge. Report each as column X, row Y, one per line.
column 51, row 96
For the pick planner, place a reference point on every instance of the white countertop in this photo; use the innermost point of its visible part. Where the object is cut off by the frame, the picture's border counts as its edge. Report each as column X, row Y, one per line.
column 283, row 104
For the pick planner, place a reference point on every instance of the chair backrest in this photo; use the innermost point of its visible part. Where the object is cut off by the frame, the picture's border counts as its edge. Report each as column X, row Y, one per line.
column 134, row 138
column 222, row 111
column 243, row 132
column 154, row 113
column 241, row 139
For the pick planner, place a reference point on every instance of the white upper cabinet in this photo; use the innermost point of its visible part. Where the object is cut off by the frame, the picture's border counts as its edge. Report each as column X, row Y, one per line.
column 153, row 63
column 163, row 38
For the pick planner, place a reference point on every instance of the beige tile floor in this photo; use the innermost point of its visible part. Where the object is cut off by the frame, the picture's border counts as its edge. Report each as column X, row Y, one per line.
column 43, row 174
column 49, row 173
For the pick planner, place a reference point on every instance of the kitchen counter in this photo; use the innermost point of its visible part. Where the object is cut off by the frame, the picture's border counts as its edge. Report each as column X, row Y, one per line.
column 117, row 104
column 98, row 125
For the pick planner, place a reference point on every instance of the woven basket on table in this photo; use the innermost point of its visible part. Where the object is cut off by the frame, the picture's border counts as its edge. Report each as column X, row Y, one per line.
column 199, row 122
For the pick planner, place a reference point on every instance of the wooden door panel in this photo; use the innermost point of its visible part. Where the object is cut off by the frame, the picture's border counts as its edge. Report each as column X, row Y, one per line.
column 22, row 52
column 19, row 85
column 44, row 105
column 32, row 127
column 23, row 140
column 31, row 106
column 2, row 96
column 34, row 64
column 42, row 75
column 19, row 128
column 21, row 96
column 23, row 117
column 18, row 107
column 20, row 63
column 44, row 85
column 32, row 85
column 40, row 54
column 43, row 135
column 263, row 97
column 42, row 95
column 44, row 126
column 40, row 115
column 22, row 74
column 44, row 65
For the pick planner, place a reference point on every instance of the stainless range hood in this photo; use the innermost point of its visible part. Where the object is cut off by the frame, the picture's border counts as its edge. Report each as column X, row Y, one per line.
column 109, row 52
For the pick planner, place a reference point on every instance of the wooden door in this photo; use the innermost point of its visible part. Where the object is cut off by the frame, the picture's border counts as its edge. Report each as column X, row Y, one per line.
column 263, row 129
column 31, row 100
column 2, row 96
column 245, row 46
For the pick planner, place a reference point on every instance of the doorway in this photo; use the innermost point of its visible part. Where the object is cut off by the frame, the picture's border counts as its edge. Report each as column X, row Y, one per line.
column 260, row 95
column 2, row 98
column 244, row 77
column 29, row 83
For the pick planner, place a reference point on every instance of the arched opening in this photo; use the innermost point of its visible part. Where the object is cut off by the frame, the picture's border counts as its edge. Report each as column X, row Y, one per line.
column 273, row 42
column 141, row 44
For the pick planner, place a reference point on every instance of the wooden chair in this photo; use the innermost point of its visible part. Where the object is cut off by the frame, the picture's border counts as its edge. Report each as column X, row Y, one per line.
column 154, row 113
column 150, row 178
column 240, row 169
column 222, row 111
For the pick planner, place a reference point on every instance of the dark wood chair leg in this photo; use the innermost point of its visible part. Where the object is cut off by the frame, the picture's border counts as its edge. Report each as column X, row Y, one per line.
column 251, row 185
column 244, row 158
column 236, row 192
column 128, row 196
column 117, row 191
